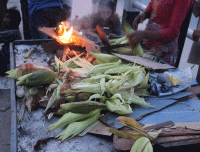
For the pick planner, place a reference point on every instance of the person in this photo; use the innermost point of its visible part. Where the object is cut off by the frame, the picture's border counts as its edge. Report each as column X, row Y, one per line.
column 3, row 8
column 43, row 13
column 162, row 30
column 106, row 17
column 67, row 9
column 194, row 56
column 10, row 33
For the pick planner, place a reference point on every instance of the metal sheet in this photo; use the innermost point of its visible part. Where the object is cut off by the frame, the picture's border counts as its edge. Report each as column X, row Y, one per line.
column 13, row 143
column 141, row 111
column 185, row 111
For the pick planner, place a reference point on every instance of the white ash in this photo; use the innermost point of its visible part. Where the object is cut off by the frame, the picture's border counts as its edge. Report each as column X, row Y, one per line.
column 39, row 57
column 33, row 128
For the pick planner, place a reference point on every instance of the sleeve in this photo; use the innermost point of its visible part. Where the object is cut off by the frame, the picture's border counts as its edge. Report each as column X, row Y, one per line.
column 149, row 8
column 180, row 10
column 8, row 36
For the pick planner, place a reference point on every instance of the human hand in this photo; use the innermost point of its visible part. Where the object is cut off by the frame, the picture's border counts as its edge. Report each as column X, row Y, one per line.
column 196, row 35
column 139, row 19
column 135, row 38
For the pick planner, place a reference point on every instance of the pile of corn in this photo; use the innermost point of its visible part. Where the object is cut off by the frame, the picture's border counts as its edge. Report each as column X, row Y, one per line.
column 107, row 85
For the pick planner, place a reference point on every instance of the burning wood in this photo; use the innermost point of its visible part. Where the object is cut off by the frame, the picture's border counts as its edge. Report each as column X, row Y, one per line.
column 65, row 35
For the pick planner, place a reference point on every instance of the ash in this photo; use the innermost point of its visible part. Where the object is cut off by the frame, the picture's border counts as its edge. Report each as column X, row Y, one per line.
column 34, row 127
column 39, row 57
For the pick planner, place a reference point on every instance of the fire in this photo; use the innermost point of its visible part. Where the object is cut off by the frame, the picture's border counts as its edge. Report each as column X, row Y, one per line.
column 65, row 34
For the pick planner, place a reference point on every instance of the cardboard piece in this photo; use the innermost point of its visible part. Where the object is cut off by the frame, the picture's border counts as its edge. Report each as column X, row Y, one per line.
column 144, row 62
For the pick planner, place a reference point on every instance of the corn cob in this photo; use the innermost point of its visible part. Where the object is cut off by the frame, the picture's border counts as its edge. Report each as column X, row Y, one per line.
column 82, row 107
column 76, row 128
column 128, row 30
column 41, row 77
column 70, row 118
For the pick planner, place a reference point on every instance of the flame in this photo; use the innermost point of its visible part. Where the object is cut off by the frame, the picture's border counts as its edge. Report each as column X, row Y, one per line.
column 66, row 34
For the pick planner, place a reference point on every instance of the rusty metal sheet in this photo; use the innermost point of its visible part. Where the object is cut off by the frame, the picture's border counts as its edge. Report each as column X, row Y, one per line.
column 170, row 139
column 100, row 129
column 121, row 143
column 160, row 125
column 179, row 131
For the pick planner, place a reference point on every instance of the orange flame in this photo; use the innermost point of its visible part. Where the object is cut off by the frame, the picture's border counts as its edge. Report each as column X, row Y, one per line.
column 66, row 34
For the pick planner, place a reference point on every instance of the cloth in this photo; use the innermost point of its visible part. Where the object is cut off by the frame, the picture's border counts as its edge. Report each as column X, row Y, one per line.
column 46, row 17
column 167, row 52
column 42, row 13
column 6, row 37
column 169, row 14
column 34, row 5
column 162, row 86
column 68, row 2
column 194, row 56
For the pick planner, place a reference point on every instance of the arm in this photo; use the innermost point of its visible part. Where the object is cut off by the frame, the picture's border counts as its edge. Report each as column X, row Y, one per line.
column 9, row 36
column 137, row 36
column 180, row 10
column 142, row 16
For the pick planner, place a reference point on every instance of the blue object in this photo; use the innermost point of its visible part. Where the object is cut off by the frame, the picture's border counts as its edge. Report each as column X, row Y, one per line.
column 34, row 5
column 185, row 111
column 164, row 109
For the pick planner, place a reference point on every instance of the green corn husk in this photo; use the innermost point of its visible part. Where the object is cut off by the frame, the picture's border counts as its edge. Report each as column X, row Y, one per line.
column 104, row 67
column 76, row 128
column 140, row 145
column 82, row 107
column 122, row 69
column 38, row 78
column 123, row 50
column 105, row 58
column 55, row 96
column 70, row 118
column 118, row 40
column 128, row 30
column 117, row 104
column 130, row 97
column 24, row 69
column 86, row 87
